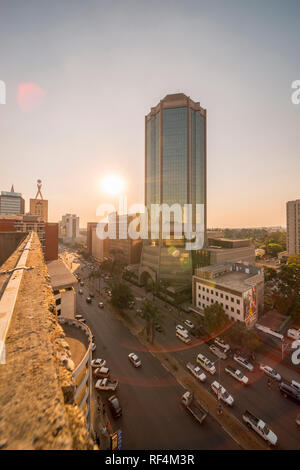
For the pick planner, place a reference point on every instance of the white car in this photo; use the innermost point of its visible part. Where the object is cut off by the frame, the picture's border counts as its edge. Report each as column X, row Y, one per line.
column 196, row 371
column 98, row 363
column 206, row 364
column 237, row 374
column 293, row 333
column 217, row 352
column 296, row 385
column 93, row 346
column 189, row 324
column 221, row 392
column 219, row 342
column 270, row 372
column 243, row 362
column 182, row 329
column 134, row 359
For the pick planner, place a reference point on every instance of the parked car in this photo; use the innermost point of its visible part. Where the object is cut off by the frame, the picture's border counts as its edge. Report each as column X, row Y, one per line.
column 101, row 305
column 106, row 384
column 91, row 295
column 102, row 372
column 237, row 374
column 78, row 317
column 270, row 372
column 134, row 359
column 189, row 324
column 88, row 300
column 93, row 347
column 295, row 384
column 158, row 327
column 217, row 352
column 243, row 362
column 98, row 362
column 219, row 342
column 221, row 392
column 114, row 405
column 182, row 329
column 80, row 292
column 206, row 364
column 289, row 391
column 81, row 283
column 293, row 333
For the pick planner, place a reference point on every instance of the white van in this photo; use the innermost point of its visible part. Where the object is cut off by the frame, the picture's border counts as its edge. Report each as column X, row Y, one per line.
column 183, row 336
column 294, row 334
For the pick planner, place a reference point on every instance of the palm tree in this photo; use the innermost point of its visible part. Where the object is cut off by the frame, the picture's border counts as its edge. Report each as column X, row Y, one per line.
column 149, row 313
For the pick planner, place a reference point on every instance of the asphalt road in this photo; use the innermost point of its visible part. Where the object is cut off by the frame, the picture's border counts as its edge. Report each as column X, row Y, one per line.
column 153, row 417
column 268, row 404
column 173, row 427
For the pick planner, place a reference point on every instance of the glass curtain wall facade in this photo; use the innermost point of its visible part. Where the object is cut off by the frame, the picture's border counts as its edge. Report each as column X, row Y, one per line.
column 175, row 173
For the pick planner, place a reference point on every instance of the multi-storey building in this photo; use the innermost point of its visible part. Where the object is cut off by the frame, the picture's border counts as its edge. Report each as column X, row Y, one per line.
column 11, row 202
column 69, row 227
column 237, row 287
column 175, row 173
column 293, row 227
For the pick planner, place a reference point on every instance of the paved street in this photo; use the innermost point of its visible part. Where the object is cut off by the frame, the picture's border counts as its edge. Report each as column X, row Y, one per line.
column 153, row 417
column 160, row 387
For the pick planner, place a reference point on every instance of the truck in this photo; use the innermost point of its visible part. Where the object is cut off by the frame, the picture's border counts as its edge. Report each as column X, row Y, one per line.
column 106, row 384
column 237, row 374
column 193, row 406
column 260, row 427
column 196, row 371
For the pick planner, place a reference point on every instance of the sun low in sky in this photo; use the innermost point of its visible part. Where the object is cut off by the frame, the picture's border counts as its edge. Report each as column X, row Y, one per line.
column 113, row 185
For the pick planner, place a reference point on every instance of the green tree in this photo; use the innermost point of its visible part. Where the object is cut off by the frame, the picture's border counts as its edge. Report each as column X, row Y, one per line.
column 288, row 301
column 294, row 259
column 273, row 249
column 151, row 316
column 121, row 295
column 215, row 319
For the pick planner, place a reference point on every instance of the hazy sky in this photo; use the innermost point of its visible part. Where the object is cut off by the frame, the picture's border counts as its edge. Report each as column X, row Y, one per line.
column 101, row 65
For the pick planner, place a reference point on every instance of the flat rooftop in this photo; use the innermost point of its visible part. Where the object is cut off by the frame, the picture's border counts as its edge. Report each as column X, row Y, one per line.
column 233, row 280
column 77, row 340
column 59, row 274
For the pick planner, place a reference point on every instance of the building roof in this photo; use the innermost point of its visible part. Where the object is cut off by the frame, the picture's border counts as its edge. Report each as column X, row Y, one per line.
column 60, row 275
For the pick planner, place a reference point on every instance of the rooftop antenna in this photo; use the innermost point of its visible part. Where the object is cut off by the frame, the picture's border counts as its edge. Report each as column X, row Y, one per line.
column 39, row 186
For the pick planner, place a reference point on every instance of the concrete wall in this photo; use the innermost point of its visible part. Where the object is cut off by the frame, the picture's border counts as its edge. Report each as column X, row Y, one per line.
column 37, row 405
column 8, row 243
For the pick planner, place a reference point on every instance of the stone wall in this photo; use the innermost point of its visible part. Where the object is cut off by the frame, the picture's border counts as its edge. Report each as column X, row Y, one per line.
column 37, row 409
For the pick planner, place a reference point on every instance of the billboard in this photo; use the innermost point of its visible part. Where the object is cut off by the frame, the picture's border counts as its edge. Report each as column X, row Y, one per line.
column 250, row 306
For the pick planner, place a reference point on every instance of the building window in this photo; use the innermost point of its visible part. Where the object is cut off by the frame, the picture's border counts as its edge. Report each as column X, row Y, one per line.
column 226, row 297
column 211, row 291
column 227, row 307
column 217, row 294
column 238, row 302
column 232, row 309
column 238, row 311
column 232, row 299
column 58, row 301
column 222, row 296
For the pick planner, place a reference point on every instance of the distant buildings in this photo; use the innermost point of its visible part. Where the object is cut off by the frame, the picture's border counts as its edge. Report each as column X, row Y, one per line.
column 237, row 287
column 11, row 202
column 46, row 231
column 175, row 172
column 69, row 227
column 293, row 227
column 120, row 245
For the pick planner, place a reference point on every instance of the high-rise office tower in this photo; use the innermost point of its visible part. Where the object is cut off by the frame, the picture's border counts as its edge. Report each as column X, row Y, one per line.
column 175, row 172
column 293, row 227
column 11, row 202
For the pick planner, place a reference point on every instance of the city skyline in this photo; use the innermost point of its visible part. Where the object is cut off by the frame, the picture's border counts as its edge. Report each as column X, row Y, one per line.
column 76, row 100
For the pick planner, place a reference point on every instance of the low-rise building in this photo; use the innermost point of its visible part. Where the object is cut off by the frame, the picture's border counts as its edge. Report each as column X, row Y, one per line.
column 63, row 284
column 237, row 287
